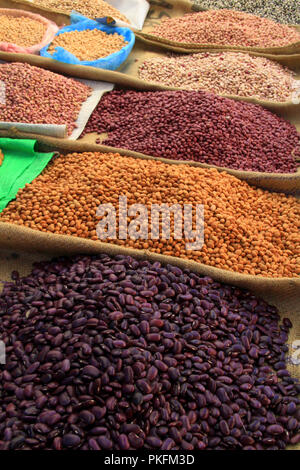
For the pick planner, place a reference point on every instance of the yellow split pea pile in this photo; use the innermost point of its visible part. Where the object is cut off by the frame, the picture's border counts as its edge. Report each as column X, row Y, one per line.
column 21, row 30
column 90, row 44
column 247, row 230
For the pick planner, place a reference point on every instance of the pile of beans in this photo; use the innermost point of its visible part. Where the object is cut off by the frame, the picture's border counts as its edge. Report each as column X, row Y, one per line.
column 90, row 8
column 114, row 353
column 38, row 96
column 283, row 12
column 89, row 44
column 226, row 27
column 21, row 30
column 246, row 230
column 198, row 126
column 224, row 73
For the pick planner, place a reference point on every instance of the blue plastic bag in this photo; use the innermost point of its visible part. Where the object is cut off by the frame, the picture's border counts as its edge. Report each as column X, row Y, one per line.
column 111, row 62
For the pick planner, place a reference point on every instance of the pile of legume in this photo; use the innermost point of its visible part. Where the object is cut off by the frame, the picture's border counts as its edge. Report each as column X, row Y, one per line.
column 247, row 230
column 21, row 30
column 224, row 73
column 114, row 353
column 226, row 27
column 199, row 126
column 286, row 11
column 89, row 44
column 90, row 8
column 38, row 96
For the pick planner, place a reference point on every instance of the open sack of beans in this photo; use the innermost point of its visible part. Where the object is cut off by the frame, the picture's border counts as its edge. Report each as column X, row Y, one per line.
column 24, row 32
column 251, row 236
column 235, row 74
column 91, row 43
column 181, row 27
column 116, row 353
column 286, row 12
column 207, row 129
column 47, row 103
column 125, row 12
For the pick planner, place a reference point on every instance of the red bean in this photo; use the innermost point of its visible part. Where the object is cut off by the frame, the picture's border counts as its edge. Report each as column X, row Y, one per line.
column 198, row 126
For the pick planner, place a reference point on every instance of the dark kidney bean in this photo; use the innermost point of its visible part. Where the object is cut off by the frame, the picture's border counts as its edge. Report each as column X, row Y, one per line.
column 110, row 384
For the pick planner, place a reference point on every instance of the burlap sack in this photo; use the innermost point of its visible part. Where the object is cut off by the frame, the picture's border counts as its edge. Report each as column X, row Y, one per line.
column 174, row 8
column 51, row 30
column 21, row 246
column 127, row 75
column 19, row 237
column 288, row 182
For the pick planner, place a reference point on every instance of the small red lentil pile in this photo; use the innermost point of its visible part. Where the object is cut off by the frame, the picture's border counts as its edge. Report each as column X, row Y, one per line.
column 21, row 30
column 89, row 44
column 89, row 8
column 198, row 126
column 223, row 73
column 38, row 96
column 246, row 230
column 226, row 27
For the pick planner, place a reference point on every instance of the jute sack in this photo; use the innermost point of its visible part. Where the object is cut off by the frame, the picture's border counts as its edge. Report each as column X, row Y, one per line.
column 175, row 8
column 18, row 237
column 288, row 305
column 288, row 182
column 127, row 74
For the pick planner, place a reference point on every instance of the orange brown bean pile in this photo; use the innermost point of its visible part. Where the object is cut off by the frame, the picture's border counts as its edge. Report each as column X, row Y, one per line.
column 21, row 30
column 247, row 230
column 89, row 8
column 223, row 73
column 90, row 44
column 38, row 96
column 226, row 27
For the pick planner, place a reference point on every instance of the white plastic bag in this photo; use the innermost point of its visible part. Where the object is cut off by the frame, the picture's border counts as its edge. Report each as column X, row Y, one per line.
column 135, row 10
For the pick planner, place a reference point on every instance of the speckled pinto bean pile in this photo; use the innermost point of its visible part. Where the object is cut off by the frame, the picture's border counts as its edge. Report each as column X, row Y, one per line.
column 230, row 27
column 286, row 11
column 113, row 353
column 89, row 44
column 224, row 73
column 21, row 30
column 38, row 96
column 90, row 8
column 246, row 230
column 198, row 126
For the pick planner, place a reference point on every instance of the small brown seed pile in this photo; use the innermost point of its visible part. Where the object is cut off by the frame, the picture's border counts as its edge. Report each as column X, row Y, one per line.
column 226, row 27
column 38, row 96
column 21, row 30
column 90, row 8
column 88, row 44
column 223, row 73
column 114, row 353
column 286, row 11
column 246, row 230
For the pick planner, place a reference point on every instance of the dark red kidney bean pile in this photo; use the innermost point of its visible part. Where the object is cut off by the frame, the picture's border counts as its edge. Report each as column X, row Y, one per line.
column 198, row 126
column 115, row 353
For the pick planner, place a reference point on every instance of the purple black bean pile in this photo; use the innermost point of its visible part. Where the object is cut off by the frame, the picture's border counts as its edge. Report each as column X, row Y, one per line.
column 198, row 126
column 115, row 353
